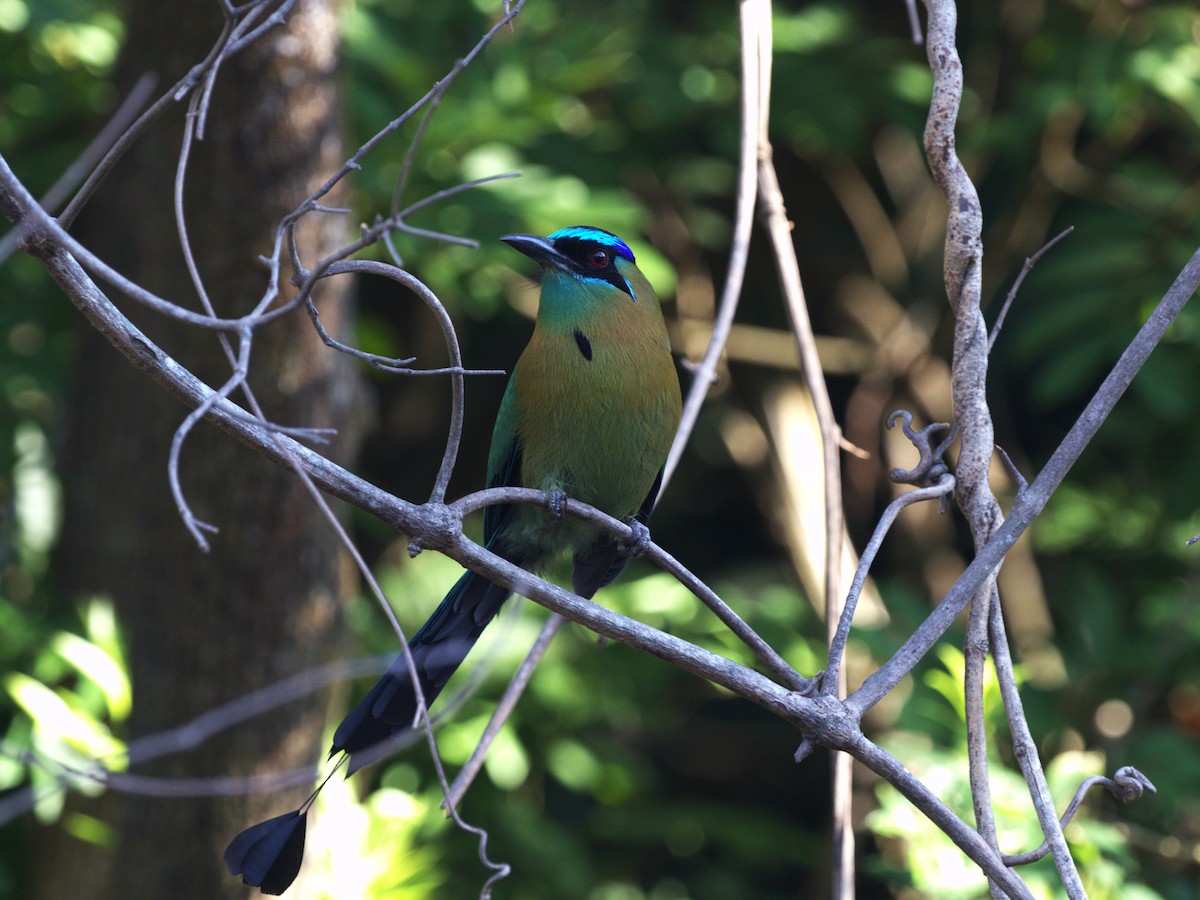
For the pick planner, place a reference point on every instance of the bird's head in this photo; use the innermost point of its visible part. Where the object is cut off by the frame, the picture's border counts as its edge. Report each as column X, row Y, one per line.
column 582, row 256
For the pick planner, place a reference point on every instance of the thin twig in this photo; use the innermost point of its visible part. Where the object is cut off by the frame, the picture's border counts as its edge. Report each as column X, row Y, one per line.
column 411, row 154
column 355, row 161
column 1024, row 746
column 914, row 22
column 172, row 96
column 975, row 653
column 837, row 647
column 193, row 734
column 105, row 138
column 457, row 382
column 779, row 228
column 276, row 18
column 499, row 869
column 705, row 373
column 240, row 361
column 504, row 708
column 1127, row 785
column 67, row 773
column 1030, row 262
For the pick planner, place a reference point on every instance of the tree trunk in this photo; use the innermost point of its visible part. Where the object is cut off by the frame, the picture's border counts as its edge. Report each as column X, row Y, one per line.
column 203, row 629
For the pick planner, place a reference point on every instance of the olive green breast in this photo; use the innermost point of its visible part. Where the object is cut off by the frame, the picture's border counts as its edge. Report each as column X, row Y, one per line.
column 597, row 428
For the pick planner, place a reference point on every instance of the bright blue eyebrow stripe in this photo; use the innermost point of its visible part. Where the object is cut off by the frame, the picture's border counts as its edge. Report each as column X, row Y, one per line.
column 600, row 236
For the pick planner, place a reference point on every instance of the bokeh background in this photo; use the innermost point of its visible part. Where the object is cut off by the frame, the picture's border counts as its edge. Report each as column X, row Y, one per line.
column 619, row 777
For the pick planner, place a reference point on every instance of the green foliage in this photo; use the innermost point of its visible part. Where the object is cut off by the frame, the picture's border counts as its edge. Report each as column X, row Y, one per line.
column 923, row 857
column 66, row 707
column 933, row 865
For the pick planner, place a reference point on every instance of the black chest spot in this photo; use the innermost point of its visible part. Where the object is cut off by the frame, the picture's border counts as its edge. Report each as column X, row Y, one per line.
column 584, row 345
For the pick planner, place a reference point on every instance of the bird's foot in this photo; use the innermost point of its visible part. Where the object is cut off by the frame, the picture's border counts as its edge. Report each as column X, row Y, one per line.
column 556, row 502
column 639, row 541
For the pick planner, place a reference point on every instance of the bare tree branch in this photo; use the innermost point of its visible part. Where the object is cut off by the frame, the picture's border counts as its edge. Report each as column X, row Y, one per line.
column 1030, row 503
column 963, row 272
column 757, row 42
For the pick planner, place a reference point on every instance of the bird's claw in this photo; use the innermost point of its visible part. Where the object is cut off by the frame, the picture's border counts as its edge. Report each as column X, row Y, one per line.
column 639, row 540
column 556, row 502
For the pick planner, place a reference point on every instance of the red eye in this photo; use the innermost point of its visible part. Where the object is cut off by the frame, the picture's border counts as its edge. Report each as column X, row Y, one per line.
column 598, row 258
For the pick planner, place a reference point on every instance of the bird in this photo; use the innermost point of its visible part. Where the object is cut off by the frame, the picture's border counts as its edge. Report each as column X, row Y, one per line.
column 589, row 413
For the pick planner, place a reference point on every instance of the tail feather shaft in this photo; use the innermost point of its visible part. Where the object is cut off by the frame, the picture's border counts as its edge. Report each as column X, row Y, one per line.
column 438, row 649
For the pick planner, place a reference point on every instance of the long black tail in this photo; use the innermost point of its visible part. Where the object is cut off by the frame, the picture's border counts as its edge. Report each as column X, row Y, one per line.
column 437, row 649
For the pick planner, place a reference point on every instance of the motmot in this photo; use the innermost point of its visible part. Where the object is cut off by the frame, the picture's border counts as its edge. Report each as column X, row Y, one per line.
column 589, row 413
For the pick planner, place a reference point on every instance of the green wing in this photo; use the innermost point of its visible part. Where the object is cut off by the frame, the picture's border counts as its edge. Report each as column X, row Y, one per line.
column 504, row 462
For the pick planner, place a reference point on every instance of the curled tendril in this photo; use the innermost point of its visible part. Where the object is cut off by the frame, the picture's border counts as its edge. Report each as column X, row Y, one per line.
column 1127, row 784
column 931, row 466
